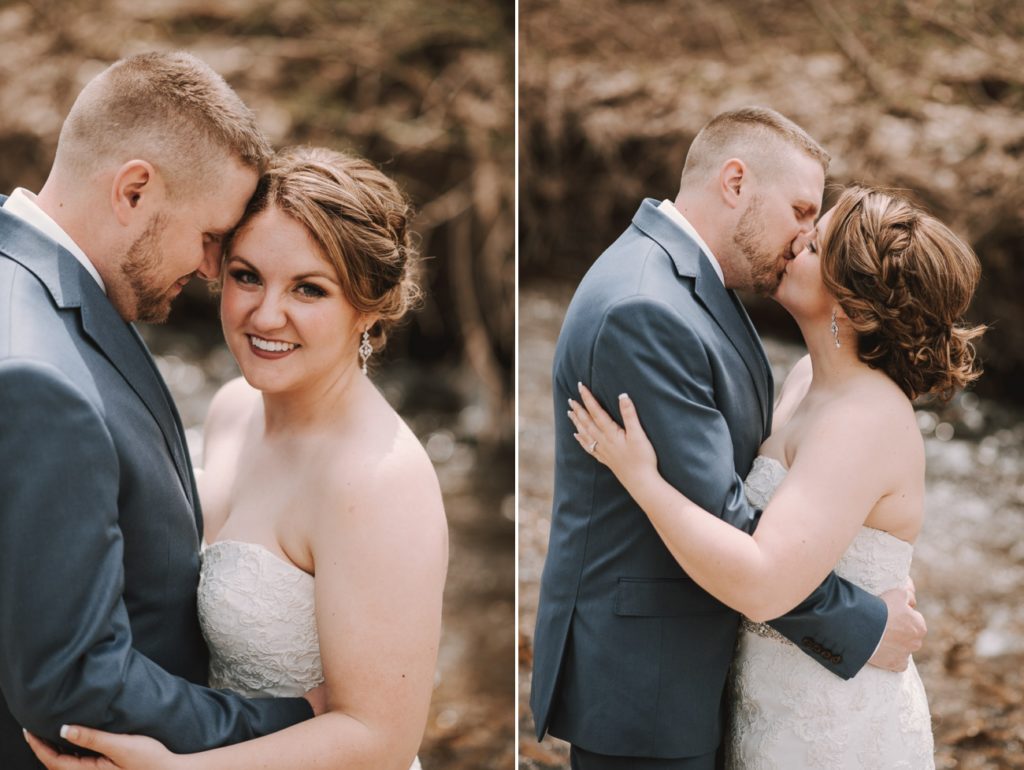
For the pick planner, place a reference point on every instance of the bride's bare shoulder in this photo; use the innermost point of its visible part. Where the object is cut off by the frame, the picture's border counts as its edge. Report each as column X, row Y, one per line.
column 384, row 470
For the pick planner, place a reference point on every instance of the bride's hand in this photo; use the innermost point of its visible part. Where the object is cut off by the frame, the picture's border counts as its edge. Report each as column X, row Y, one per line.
column 626, row 451
column 120, row 752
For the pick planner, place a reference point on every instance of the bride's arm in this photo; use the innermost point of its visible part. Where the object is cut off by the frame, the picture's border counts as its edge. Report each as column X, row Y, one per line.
column 381, row 558
column 841, row 471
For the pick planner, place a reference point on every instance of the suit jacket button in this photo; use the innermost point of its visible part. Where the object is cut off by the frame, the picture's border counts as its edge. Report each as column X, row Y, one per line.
column 837, row 659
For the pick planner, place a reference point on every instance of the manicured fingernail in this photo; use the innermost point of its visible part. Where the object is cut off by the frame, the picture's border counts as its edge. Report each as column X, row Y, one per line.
column 24, row 733
column 67, row 732
column 623, row 395
column 579, row 386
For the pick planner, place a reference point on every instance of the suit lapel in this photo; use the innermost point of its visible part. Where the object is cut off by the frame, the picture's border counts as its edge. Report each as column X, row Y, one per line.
column 71, row 286
column 121, row 344
column 721, row 304
column 726, row 309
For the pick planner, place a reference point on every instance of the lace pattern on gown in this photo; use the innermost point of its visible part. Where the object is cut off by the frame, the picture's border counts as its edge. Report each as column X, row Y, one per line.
column 257, row 613
column 790, row 713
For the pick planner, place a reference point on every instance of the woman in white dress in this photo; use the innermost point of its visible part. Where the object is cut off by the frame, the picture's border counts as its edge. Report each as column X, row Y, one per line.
column 879, row 295
column 327, row 538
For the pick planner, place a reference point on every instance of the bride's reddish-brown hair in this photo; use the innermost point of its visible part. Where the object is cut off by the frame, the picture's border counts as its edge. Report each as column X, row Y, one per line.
column 904, row 280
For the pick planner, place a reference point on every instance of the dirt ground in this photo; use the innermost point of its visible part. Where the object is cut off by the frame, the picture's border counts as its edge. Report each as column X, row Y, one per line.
column 968, row 564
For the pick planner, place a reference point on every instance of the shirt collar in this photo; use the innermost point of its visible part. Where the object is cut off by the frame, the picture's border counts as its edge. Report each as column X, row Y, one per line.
column 22, row 204
column 668, row 208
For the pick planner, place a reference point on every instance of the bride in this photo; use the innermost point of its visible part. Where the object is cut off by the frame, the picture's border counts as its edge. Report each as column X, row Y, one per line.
column 328, row 543
column 879, row 295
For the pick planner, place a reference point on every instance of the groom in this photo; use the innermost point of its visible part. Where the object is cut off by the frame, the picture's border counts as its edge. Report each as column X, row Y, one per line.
column 630, row 655
column 99, row 519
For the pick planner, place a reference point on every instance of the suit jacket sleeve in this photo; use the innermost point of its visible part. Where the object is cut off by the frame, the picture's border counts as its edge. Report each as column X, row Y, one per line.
column 64, row 630
column 646, row 349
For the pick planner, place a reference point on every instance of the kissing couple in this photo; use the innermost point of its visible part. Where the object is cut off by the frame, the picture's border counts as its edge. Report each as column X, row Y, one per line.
column 727, row 580
column 306, row 633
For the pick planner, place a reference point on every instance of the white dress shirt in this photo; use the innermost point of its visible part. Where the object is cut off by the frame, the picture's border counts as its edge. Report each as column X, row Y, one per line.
column 668, row 208
column 22, row 204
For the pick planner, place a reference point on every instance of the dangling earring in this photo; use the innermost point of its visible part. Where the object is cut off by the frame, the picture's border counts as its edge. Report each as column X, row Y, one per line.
column 365, row 349
column 835, row 328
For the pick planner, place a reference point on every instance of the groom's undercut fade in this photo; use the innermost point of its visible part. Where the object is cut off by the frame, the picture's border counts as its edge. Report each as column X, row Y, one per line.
column 758, row 136
column 170, row 109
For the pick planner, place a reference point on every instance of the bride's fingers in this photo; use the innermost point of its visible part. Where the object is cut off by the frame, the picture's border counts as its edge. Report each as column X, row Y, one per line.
column 630, row 421
column 94, row 740
column 596, row 411
column 581, row 429
column 584, row 441
column 43, row 751
column 53, row 760
column 584, row 422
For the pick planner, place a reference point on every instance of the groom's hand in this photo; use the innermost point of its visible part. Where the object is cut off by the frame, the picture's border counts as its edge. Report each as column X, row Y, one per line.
column 317, row 698
column 904, row 630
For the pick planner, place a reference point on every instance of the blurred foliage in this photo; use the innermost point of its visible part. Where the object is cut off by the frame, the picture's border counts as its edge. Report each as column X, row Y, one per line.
column 925, row 95
column 422, row 88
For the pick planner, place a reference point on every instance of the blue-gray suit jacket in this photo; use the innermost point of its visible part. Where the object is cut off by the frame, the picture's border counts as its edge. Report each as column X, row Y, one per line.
column 99, row 526
column 630, row 655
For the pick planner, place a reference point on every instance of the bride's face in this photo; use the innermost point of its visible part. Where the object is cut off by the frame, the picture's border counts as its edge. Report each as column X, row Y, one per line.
column 801, row 291
column 285, row 318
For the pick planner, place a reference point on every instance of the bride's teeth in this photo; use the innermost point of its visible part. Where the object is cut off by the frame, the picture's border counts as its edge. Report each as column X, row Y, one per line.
column 271, row 347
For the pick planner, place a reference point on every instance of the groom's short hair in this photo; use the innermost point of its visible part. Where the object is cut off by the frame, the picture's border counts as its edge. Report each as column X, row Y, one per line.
column 755, row 135
column 170, row 109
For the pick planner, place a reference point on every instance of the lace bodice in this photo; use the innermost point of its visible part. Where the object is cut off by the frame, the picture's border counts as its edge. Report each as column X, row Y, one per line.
column 257, row 613
column 790, row 713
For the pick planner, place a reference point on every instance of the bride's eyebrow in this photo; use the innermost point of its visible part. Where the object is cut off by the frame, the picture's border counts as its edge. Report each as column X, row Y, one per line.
column 315, row 274
column 244, row 261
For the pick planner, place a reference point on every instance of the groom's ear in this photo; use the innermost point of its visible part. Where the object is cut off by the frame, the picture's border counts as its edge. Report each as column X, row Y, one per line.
column 731, row 178
column 135, row 188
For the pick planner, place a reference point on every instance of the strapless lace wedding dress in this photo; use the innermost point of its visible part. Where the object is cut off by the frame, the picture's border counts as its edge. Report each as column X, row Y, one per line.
column 257, row 614
column 789, row 713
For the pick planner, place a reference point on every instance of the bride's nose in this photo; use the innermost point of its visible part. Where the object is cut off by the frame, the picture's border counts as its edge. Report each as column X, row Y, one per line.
column 270, row 312
column 799, row 244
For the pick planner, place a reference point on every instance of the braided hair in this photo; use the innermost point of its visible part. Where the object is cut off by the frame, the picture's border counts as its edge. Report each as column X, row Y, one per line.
column 904, row 280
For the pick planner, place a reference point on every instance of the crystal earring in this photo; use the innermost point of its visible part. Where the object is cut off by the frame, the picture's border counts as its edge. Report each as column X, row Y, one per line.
column 365, row 349
column 835, row 328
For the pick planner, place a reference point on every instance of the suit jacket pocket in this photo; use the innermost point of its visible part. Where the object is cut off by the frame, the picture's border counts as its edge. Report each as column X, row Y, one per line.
column 664, row 598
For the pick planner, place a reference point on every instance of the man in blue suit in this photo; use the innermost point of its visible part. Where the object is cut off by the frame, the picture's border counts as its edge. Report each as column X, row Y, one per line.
column 100, row 524
column 630, row 655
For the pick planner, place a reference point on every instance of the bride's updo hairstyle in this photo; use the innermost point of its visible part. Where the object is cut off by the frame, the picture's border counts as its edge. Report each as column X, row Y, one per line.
column 359, row 219
column 904, row 280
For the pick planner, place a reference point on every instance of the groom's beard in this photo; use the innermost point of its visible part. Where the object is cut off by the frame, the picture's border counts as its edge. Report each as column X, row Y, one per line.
column 140, row 269
column 765, row 269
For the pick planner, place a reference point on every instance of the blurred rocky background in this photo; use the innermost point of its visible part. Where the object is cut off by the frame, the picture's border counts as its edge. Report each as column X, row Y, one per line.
column 926, row 95
column 425, row 89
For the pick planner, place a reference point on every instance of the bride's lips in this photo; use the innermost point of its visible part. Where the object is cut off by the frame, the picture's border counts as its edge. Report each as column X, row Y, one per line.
column 261, row 347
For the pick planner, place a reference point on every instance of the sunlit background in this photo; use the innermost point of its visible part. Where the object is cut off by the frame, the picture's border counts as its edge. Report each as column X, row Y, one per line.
column 925, row 95
column 425, row 89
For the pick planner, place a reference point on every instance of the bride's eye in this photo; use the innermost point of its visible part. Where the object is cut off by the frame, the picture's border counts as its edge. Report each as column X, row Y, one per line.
column 244, row 277
column 812, row 247
column 310, row 290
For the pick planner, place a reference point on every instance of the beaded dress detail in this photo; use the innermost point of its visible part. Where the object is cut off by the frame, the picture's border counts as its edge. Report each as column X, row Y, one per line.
column 257, row 613
column 790, row 713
